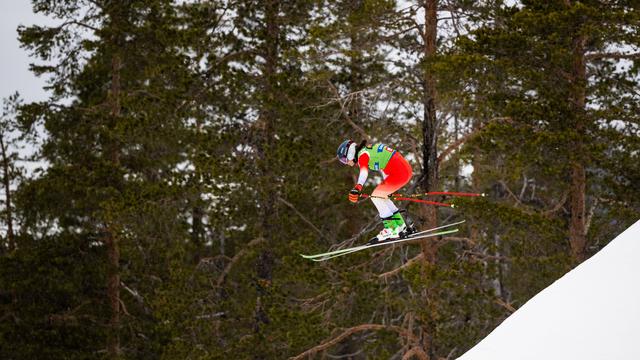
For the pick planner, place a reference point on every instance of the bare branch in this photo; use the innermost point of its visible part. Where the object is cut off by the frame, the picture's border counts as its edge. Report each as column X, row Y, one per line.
column 347, row 356
column 136, row 295
column 590, row 215
column 457, row 144
column 328, row 161
column 466, row 138
column 511, row 194
column 211, row 316
column 301, row 216
column 458, row 239
column 417, row 352
column 123, row 307
column 414, row 146
column 401, row 32
column 78, row 23
column 558, row 206
column 348, row 332
column 402, row 267
column 235, row 259
column 505, row 305
column 344, row 114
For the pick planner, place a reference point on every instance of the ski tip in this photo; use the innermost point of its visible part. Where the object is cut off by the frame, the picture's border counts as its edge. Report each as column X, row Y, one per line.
column 311, row 258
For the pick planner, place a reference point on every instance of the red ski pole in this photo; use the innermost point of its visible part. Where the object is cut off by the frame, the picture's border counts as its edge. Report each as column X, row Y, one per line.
column 408, row 199
column 433, row 193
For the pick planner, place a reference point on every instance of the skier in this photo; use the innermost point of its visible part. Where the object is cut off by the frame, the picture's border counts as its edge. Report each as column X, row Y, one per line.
column 396, row 172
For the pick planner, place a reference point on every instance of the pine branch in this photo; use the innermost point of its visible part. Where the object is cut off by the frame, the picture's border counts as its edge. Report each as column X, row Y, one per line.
column 78, row 23
column 612, row 55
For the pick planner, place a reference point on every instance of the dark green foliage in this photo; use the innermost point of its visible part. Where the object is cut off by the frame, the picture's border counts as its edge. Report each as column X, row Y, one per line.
column 202, row 135
column 51, row 307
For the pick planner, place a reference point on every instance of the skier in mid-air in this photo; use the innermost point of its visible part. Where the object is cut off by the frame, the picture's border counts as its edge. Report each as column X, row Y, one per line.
column 396, row 172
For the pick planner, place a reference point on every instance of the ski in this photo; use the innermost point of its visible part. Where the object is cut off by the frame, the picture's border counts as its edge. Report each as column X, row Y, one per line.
column 414, row 235
column 364, row 247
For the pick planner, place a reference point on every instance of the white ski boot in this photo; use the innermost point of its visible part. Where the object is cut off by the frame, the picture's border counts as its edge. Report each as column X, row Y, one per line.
column 391, row 231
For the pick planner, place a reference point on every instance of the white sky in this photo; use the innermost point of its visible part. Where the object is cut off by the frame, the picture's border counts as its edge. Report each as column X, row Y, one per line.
column 14, row 61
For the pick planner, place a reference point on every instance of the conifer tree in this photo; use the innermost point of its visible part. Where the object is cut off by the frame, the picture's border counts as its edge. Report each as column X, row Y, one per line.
column 267, row 165
column 114, row 134
column 553, row 61
column 11, row 171
column 534, row 77
column 188, row 156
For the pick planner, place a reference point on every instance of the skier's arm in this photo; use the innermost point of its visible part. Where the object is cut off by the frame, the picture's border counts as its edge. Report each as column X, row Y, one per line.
column 363, row 163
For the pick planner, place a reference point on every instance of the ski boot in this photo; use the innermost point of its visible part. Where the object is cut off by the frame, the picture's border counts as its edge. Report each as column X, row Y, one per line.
column 406, row 226
column 391, row 231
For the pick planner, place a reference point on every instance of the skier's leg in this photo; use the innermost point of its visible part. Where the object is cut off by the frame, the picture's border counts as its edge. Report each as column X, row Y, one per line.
column 383, row 206
column 398, row 173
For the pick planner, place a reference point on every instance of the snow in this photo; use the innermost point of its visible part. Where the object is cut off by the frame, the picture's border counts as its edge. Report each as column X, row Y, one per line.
column 592, row 312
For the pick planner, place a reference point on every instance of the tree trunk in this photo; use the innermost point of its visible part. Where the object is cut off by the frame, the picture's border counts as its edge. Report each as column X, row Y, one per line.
column 266, row 122
column 111, row 239
column 7, row 189
column 475, row 181
column 113, row 293
column 430, row 166
column 577, row 230
column 197, row 227
column 429, row 124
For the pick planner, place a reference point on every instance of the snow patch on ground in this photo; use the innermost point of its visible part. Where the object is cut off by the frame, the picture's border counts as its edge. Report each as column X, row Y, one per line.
column 591, row 313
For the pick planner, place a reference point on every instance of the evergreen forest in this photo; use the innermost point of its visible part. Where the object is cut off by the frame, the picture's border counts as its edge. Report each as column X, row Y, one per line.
column 156, row 204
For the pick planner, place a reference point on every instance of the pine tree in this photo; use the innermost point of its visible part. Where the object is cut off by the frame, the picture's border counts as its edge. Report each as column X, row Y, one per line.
column 534, row 77
column 258, row 155
column 114, row 128
column 554, row 61
column 189, row 156
column 11, row 143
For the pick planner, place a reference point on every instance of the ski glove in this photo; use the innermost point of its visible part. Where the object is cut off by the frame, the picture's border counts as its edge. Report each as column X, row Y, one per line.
column 354, row 194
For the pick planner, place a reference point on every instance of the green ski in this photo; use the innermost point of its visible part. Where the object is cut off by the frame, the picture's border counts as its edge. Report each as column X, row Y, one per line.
column 361, row 247
column 364, row 247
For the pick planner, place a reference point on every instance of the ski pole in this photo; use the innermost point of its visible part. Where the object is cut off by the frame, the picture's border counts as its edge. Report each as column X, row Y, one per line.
column 452, row 193
column 407, row 199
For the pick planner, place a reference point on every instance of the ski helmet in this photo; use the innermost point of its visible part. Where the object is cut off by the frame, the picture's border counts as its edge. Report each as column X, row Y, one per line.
column 344, row 155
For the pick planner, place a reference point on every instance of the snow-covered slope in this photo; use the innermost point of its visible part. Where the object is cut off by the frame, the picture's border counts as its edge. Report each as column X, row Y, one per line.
column 593, row 312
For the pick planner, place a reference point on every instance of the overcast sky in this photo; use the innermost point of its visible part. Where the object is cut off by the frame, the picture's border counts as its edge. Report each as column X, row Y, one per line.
column 14, row 61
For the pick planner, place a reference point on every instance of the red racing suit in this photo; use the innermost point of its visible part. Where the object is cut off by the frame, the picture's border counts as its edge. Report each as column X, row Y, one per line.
column 396, row 173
